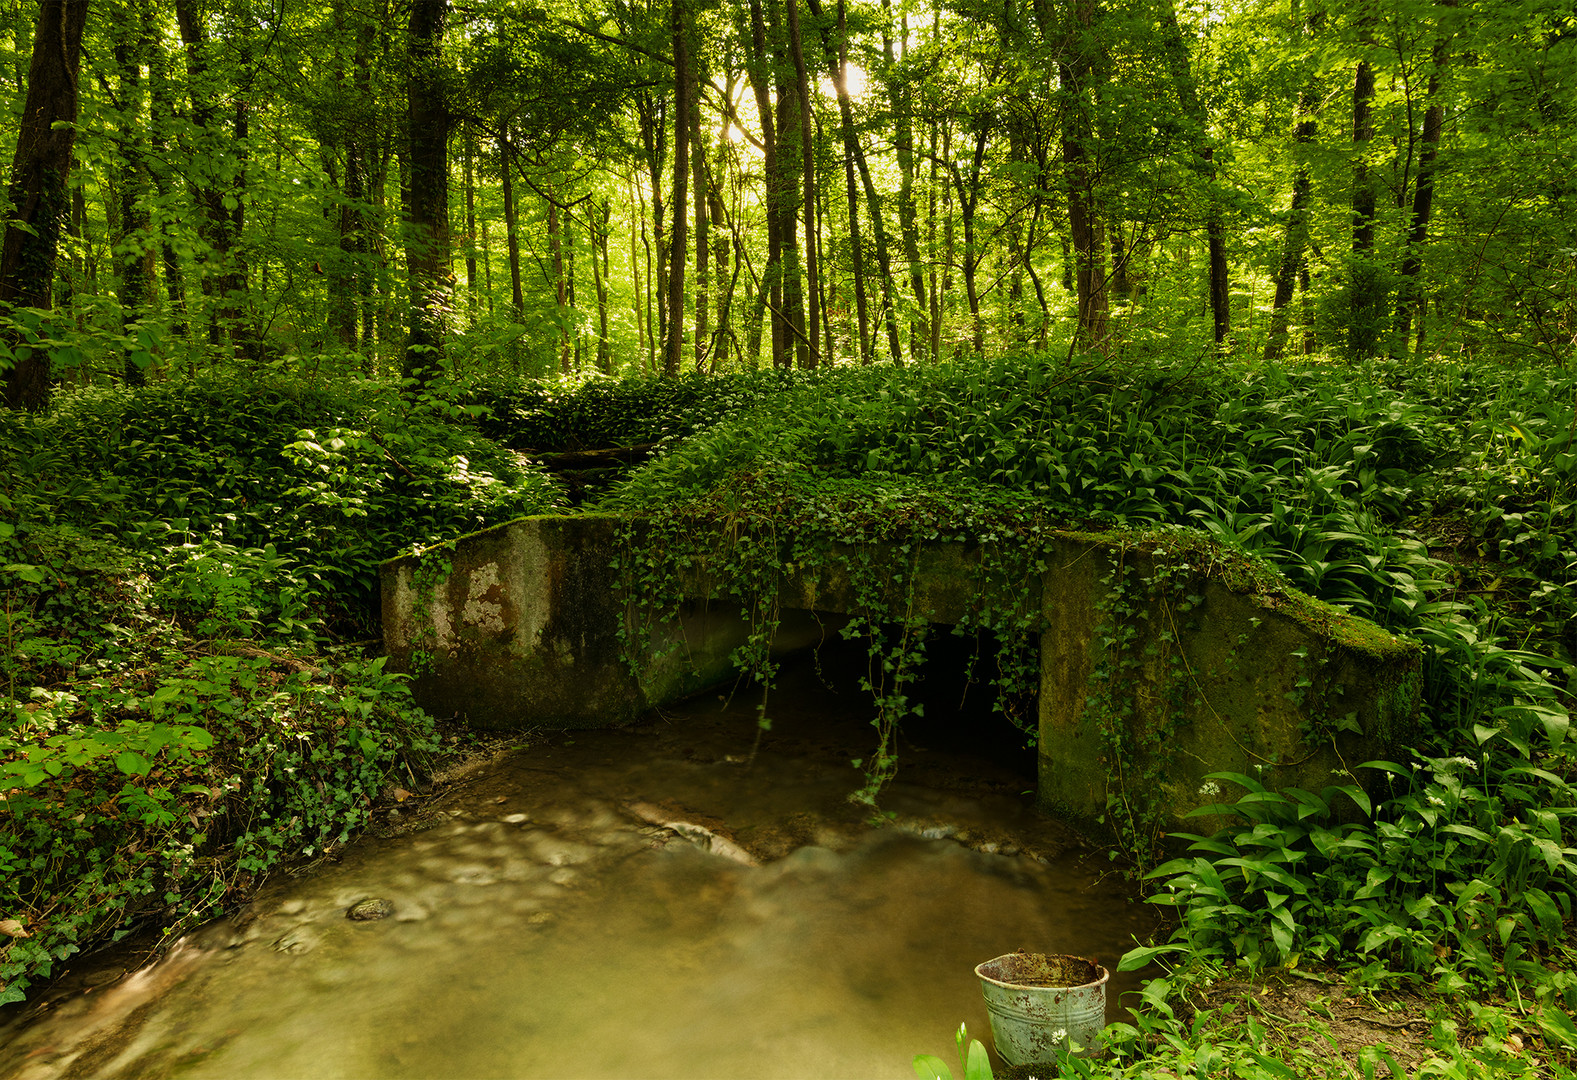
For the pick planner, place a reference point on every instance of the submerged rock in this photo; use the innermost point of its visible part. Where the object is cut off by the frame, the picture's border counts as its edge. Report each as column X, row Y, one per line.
column 372, row 908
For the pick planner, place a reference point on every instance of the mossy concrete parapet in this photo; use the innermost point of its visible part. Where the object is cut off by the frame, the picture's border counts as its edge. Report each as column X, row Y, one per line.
column 518, row 626
column 1163, row 659
column 1156, row 674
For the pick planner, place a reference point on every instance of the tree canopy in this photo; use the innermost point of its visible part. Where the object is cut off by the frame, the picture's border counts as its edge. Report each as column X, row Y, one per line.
column 362, row 185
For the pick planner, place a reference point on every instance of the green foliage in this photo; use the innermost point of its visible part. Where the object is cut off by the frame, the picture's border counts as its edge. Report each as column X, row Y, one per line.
column 309, row 488
column 174, row 560
column 972, row 1060
column 1435, row 501
column 591, row 411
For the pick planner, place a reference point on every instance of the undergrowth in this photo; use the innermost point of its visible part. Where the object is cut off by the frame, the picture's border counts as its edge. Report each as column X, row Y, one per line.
column 181, row 709
column 1437, row 500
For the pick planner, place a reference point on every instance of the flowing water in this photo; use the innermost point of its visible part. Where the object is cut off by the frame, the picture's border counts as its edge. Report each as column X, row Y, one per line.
column 645, row 903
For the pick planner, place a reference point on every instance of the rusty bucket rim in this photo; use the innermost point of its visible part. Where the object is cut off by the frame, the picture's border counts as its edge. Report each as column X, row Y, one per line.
column 1102, row 973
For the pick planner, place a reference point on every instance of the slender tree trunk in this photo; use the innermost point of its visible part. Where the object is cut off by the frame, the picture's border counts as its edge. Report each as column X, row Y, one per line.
column 1078, row 74
column 215, row 230
column 472, row 286
column 427, row 249
column 720, row 247
column 160, row 117
column 810, row 355
column 637, row 225
column 352, row 281
column 131, row 245
column 602, row 212
column 1216, row 245
column 703, row 238
column 1411, row 302
column 1194, row 109
column 1366, row 292
column 785, row 192
column 487, row 267
column 1364, row 197
column 900, row 97
column 38, row 183
column 850, row 147
column 759, row 75
column 846, row 122
column 933, row 278
column 968, row 201
column 511, row 225
column 225, row 277
column 560, row 282
column 674, row 331
column 855, row 162
column 1296, row 238
column 571, row 304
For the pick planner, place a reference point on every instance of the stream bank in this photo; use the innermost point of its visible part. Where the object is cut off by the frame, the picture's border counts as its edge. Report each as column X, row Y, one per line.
column 671, row 899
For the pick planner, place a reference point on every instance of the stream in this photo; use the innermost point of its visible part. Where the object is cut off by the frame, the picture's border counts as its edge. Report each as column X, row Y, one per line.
column 653, row 902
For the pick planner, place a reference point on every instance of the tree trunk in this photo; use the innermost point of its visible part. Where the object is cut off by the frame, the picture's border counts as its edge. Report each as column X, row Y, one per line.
column 703, row 223
column 850, row 147
column 809, row 356
column 968, row 201
column 784, row 192
column 1410, row 299
column 1077, row 71
column 131, row 245
column 1193, row 108
column 224, row 279
column 160, row 116
column 1366, row 291
column 854, row 161
column 758, row 73
column 560, row 283
column 637, row 226
column 900, row 98
column 1363, row 199
column 602, row 212
column 427, row 246
column 511, row 226
column 38, row 189
column 721, row 245
column 1296, row 238
column 674, row 331
column 473, row 296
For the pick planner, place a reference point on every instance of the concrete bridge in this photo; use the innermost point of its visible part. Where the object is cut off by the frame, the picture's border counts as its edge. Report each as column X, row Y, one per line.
column 1162, row 658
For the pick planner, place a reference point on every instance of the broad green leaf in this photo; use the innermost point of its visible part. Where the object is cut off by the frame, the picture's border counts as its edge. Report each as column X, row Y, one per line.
column 1135, row 959
column 978, row 1065
column 132, row 763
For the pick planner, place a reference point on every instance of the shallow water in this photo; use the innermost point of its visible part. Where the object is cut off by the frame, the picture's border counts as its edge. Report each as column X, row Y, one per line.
column 587, row 907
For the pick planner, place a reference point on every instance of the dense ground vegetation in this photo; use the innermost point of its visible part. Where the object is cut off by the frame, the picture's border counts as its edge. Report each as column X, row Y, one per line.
column 1346, row 228
column 1436, row 500
column 188, row 569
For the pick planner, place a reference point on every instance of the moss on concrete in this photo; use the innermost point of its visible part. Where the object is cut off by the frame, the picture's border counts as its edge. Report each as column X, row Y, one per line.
column 1163, row 656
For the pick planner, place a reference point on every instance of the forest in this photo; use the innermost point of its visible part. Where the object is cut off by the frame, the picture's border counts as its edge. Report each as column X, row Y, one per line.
column 289, row 289
column 341, row 188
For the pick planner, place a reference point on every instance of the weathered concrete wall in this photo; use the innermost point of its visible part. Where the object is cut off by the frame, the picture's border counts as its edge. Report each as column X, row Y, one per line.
column 1153, row 672
column 1147, row 690
column 518, row 626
